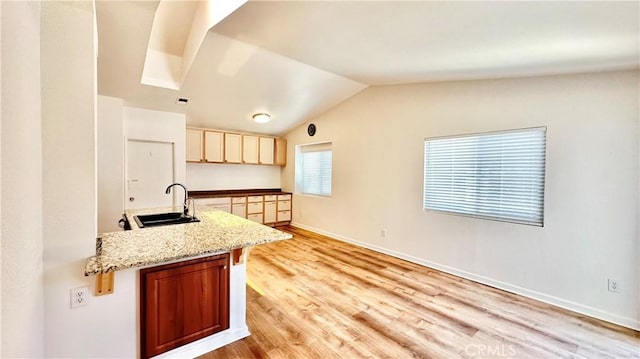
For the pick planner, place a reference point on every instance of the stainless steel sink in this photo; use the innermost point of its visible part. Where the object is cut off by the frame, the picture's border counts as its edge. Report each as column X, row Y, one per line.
column 163, row 219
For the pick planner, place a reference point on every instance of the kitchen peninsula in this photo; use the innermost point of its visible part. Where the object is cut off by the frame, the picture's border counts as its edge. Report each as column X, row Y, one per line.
column 207, row 255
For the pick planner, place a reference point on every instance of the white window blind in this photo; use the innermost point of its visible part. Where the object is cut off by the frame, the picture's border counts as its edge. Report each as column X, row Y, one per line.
column 497, row 175
column 313, row 169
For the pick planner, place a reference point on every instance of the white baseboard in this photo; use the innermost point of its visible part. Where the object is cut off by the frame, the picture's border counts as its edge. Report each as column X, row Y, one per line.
column 206, row 345
column 549, row 299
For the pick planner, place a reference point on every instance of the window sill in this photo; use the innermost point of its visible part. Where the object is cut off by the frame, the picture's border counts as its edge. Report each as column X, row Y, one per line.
column 312, row 195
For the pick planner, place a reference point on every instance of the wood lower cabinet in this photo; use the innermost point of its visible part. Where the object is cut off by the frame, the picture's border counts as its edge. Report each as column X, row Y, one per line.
column 284, row 208
column 183, row 302
column 255, row 208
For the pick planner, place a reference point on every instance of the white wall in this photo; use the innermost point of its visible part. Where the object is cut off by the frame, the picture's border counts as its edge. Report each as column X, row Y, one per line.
column 209, row 177
column 116, row 123
column 69, row 173
column 592, row 184
column 22, row 292
column 0, row 180
column 69, row 192
column 142, row 124
column 110, row 164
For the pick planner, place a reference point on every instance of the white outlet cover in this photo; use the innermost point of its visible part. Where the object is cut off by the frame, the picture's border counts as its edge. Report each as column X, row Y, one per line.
column 79, row 297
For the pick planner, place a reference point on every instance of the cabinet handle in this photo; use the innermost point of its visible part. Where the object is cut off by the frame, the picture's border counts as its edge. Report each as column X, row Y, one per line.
column 225, row 267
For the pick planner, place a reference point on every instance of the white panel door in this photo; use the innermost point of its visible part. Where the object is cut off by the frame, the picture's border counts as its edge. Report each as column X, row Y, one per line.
column 149, row 170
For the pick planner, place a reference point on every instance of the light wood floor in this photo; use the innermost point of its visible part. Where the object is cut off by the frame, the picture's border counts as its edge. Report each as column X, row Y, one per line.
column 316, row 297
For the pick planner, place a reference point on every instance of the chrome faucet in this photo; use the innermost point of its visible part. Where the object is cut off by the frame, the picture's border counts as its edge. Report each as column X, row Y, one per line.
column 185, row 206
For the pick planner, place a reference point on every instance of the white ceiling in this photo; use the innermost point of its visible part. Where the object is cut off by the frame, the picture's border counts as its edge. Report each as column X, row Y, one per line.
column 296, row 59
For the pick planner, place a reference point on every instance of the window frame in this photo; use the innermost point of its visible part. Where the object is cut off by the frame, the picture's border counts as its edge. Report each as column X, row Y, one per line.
column 325, row 146
column 542, row 129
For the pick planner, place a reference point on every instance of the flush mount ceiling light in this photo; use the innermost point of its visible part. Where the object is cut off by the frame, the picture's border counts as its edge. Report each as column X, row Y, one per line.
column 261, row 117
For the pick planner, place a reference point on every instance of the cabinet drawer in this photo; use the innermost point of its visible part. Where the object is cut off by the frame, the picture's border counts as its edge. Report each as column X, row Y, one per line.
column 254, row 207
column 213, row 201
column 256, row 217
column 284, row 205
column 284, row 216
column 270, row 198
column 284, row 197
column 235, row 200
column 254, row 199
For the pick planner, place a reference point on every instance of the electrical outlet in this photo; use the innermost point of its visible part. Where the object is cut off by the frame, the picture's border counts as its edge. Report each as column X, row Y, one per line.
column 383, row 233
column 613, row 285
column 79, row 297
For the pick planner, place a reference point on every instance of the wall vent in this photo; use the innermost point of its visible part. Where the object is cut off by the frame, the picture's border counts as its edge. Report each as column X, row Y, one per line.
column 182, row 101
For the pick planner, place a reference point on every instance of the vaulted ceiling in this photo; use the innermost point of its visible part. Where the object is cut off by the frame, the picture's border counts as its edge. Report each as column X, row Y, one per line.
column 297, row 59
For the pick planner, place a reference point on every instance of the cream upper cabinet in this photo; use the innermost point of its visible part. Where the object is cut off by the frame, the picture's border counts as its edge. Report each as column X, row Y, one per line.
column 213, row 146
column 232, row 148
column 281, row 152
column 194, row 145
column 266, row 150
column 250, row 149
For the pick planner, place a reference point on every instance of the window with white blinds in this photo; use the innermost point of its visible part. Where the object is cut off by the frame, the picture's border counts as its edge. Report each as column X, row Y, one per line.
column 496, row 175
column 313, row 169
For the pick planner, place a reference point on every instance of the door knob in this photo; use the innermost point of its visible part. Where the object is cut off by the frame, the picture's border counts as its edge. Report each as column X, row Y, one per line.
column 131, row 199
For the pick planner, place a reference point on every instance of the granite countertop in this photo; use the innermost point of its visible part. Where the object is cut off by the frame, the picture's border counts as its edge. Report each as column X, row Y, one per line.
column 217, row 231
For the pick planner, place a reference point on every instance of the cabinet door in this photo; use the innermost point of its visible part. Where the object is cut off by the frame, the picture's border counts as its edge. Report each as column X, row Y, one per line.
column 284, row 205
column 255, row 199
column 240, row 210
column 213, row 146
column 183, row 302
column 194, row 145
column 232, row 148
column 266, row 150
column 269, row 212
column 250, row 149
column 281, row 152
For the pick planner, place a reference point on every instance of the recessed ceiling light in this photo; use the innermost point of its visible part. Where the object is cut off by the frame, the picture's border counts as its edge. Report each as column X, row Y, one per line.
column 261, row 117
